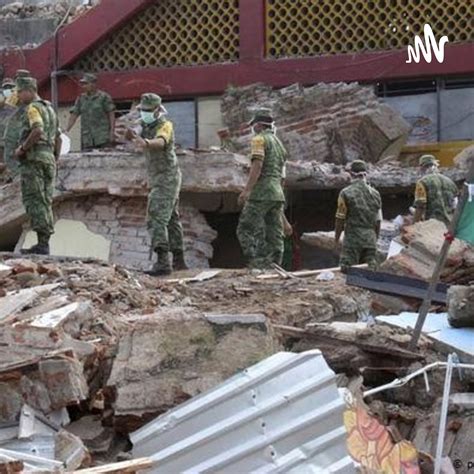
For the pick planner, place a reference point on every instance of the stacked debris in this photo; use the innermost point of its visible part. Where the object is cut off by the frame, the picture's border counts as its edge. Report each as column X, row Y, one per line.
column 423, row 242
column 333, row 123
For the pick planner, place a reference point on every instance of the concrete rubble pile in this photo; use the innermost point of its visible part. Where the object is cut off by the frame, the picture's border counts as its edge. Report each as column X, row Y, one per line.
column 423, row 243
column 325, row 123
column 100, row 350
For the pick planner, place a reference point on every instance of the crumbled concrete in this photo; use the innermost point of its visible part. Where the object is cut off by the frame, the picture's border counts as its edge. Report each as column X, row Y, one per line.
column 461, row 306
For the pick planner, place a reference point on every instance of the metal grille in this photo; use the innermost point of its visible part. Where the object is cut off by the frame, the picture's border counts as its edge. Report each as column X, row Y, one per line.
column 172, row 33
column 298, row 28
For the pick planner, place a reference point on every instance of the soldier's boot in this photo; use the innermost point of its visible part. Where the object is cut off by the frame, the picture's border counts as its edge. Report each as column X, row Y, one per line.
column 41, row 248
column 178, row 261
column 162, row 267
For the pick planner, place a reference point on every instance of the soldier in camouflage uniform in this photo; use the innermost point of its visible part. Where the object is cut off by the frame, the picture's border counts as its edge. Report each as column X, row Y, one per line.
column 37, row 154
column 13, row 128
column 164, row 177
column 98, row 115
column 6, row 111
column 260, row 229
column 359, row 215
column 435, row 194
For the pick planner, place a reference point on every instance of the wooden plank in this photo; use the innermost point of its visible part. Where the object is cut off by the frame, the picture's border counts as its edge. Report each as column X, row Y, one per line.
column 305, row 273
column 120, row 467
column 394, row 284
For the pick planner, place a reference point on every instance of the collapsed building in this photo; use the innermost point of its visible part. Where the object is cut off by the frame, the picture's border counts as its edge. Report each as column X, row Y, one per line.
column 100, row 350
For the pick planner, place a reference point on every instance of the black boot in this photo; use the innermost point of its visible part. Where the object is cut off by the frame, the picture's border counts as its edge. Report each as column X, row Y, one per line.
column 178, row 261
column 41, row 248
column 162, row 267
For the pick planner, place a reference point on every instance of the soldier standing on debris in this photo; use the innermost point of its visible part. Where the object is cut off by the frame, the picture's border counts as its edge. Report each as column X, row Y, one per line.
column 13, row 128
column 98, row 115
column 164, row 176
column 40, row 147
column 6, row 111
column 359, row 215
column 260, row 229
column 435, row 194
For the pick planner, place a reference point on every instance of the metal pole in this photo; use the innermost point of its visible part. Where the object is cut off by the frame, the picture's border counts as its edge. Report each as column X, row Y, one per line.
column 440, row 263
column 443, row 415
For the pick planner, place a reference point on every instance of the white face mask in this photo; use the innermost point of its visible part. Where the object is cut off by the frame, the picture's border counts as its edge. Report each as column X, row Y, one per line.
column 147, row 117
column 7, row 93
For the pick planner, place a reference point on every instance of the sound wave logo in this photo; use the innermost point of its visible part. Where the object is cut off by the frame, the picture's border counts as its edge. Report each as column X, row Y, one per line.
column 427, row 48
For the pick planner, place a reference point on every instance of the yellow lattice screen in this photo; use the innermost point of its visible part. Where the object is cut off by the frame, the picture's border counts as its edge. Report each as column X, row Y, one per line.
column 316, row 27
column 172, row 33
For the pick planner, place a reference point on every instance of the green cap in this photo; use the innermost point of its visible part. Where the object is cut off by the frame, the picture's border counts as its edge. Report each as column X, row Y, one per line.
column 8, row 82
column 358, row 166
column 262, row 115
column 88, row 78
column 149, row 101
column 26, row 83
column 22, row 73
column 428, row 160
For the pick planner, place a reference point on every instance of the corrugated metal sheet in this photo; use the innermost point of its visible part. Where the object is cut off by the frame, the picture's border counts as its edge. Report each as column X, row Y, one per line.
column 281, row 415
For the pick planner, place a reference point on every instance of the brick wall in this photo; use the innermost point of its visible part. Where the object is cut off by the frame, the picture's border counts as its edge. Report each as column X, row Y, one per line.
column 123, row 222
column 333, row 123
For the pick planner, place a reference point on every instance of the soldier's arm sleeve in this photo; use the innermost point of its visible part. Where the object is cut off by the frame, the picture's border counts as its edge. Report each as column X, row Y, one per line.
column 109, row 105
column 420, row 195
column 341, row 212
column 76, row 109
column 257, row 151
column 34, row 117
column 165, row 132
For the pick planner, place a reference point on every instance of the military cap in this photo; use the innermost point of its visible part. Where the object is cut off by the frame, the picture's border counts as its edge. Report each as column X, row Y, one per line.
column 149, row 101
column 428, row 160
column 358, row 166
column 88, row 78
column 26, row 83
column 22, row 73
column 8, row 82
column 262, row 115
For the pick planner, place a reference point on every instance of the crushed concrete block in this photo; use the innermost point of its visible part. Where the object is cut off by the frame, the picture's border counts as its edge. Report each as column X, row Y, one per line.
column 21, row 265
column 71, row 451
column 70, row 318
column 224, row 319
column 10, row 403
column 97, row 438
column 175, row 354
column 64, row 379
column 461, row 306
column 15, row 302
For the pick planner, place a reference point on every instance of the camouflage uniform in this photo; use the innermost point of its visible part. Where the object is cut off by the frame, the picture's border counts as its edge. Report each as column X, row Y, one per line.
column 359, row 205
column 260, row 228
column 95, row 123
column 435, row 193
column 6, row 111
column 38, row 168
column 164, row 178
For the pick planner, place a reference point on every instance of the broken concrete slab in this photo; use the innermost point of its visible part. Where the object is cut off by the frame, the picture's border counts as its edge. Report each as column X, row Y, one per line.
column 464, row 400
column 175, row 354
column 96, row 437
column 224, row 319
column 71, row 451
column 70, row 318
column 16, row 301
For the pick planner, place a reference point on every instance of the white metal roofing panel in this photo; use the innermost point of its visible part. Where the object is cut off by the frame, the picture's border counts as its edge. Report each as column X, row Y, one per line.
column 283, row 413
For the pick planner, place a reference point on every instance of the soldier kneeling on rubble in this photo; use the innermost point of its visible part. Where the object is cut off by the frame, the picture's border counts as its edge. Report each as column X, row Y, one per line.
column 157, row 142
column 359, row 215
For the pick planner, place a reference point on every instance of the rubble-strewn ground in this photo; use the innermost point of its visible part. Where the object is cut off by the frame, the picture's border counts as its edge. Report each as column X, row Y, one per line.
column 117, row 348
